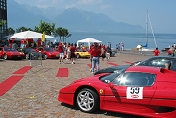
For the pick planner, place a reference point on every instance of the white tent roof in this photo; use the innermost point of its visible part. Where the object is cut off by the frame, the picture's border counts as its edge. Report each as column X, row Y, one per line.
column 89, row 40
column 29, row 34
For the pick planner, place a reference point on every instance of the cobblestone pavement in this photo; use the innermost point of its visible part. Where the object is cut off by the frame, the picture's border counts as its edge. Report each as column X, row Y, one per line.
column 35, row 96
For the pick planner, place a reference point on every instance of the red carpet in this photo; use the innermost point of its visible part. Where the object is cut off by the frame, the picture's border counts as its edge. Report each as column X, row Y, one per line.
column 113, row 64
column 63, row 72
column 91, row 67
column 127, row 62
column 22, row 70
column 9, row 83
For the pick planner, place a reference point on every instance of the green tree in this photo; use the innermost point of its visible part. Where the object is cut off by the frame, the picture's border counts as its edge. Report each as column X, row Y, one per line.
column 58, row 32
column 62, row 33
column 10, row 31
column 22, row 29
column 48, row 28
column 66, row 34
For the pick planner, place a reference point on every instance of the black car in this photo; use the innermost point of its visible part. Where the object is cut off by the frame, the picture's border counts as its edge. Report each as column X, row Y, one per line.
column 30, row 53
column 159, row 61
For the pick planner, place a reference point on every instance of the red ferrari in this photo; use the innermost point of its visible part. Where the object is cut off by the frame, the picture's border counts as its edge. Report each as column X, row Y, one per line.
column 0, row 56
column 48, row 52
column 138, row 90
column 11, row 53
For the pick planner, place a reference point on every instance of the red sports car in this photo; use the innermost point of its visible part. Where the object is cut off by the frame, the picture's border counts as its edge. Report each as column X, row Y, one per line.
column 0, row 55
column 9, row 53
column 138, row 90
column 49, row 52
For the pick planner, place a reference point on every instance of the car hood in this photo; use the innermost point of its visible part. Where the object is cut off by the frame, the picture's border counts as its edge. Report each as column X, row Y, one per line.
column 112, row 69
column 93, row 78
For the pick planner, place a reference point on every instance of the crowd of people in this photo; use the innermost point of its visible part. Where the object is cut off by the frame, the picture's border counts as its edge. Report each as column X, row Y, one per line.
column 96, row 51
column 120, row 46
column 67, row 50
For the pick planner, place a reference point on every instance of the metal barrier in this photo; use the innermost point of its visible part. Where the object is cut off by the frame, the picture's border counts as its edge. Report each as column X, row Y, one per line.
column 35, row 59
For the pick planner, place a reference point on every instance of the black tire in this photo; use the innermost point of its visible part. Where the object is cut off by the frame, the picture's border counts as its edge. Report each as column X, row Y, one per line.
column 93, row 100
column 5, row 56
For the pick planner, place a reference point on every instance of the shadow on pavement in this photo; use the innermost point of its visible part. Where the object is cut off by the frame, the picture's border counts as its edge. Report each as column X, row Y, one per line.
column 106, row 113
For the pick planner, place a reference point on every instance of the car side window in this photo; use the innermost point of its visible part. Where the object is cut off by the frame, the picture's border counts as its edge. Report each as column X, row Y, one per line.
column 135, row 79
column 1, row 49
column 157, row 63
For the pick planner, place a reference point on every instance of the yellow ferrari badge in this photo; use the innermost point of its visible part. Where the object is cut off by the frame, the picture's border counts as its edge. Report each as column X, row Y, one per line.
column 101, row 91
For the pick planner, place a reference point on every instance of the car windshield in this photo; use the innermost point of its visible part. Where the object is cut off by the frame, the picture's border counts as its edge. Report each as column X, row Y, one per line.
column 111, row 77
column 48, row 49
column 9, row 49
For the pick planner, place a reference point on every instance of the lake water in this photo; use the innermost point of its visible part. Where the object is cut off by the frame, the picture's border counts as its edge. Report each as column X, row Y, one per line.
column 130, row 40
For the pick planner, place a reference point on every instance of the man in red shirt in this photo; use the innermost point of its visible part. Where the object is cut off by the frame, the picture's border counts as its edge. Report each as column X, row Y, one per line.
column 156, row 52
column 61, row 51
column 22, row 43
column 95, row 56
column 39, row 42
column 72, row 56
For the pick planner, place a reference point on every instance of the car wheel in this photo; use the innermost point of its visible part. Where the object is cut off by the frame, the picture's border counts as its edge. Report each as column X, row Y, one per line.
column 5, row 56
column 78, row 56
column 27, row 56
column 45, row 56
column 87, row 100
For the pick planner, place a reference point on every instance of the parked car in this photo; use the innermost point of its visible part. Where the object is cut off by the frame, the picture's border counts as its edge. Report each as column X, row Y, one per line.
column 1, row 56
column 82, row 53
column 11, row 53
column 30, row 53
column 48, row 52
column 157, row 61
column 138, row 90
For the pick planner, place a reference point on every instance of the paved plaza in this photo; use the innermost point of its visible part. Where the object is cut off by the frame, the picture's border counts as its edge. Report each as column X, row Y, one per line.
column 36, row 94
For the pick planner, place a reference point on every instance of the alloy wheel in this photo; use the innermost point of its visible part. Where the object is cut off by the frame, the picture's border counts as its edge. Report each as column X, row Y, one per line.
column 86, row 100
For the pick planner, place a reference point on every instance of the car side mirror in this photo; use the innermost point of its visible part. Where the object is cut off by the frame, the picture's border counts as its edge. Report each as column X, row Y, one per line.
column 111, row 85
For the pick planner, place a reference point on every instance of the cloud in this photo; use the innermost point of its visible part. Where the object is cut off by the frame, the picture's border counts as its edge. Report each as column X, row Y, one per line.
column 39, row 3
column 55, row 7
column 58, row 3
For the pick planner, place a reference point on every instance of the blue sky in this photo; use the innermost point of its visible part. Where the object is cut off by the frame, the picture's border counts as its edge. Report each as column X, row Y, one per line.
column 162, row 12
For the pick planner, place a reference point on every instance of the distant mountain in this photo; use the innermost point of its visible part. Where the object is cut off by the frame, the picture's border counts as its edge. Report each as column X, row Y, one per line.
column 73, row 19
column 83, row 21
column 20, row 15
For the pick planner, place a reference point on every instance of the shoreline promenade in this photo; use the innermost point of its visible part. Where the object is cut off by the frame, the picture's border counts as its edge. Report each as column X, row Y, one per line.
column 36, row 94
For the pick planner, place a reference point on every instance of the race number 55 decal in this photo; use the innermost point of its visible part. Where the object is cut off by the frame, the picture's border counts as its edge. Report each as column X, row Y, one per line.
column 134, row 92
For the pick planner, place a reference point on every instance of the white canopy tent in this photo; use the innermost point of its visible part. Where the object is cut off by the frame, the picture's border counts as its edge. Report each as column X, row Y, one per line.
column 29, row 35
column 89, row 41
